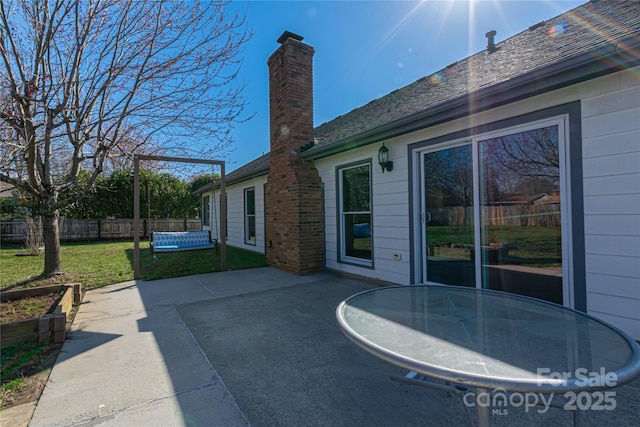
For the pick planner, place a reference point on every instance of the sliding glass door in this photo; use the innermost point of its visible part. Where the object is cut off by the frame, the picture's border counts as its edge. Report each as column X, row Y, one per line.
column 520, row 216
column 448, row 216
column 491, row 212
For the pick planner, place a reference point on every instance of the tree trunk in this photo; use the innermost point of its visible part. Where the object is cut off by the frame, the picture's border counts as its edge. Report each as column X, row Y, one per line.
column 51, row 232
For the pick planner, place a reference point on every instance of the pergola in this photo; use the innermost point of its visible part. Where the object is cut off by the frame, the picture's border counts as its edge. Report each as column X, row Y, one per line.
column 136, row 206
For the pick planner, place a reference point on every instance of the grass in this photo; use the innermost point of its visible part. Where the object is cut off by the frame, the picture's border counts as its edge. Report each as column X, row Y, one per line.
column 18, row 362
column 96, row 264
column 15, row 357
column 32, row 306
column 93, row 264
column 11, row 387
column 29, row 307
column 173, row 264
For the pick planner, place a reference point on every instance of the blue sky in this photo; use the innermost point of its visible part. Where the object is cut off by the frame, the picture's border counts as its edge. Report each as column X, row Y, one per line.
column 367, row 49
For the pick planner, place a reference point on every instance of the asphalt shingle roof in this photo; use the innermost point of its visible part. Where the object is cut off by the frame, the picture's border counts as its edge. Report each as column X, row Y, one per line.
column 254, row 168
column 581, row 30
column 577, row 31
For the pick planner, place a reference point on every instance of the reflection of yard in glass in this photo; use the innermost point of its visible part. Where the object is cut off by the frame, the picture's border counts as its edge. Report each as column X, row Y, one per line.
column 532, row 246
column 362, row 243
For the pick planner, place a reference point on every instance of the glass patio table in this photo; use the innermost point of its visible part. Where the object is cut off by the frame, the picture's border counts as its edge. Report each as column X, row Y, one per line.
column 486, row 346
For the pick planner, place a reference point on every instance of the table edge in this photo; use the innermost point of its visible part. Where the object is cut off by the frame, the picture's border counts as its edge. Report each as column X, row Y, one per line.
column 624, row 375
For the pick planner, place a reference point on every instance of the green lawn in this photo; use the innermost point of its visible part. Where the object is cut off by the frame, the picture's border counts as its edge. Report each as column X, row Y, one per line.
column 96, row 264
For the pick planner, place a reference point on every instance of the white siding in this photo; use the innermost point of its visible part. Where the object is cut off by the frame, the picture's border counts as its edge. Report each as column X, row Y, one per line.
column 611, row 154
column 390, row 214
column 235, row 212
column 611, row 169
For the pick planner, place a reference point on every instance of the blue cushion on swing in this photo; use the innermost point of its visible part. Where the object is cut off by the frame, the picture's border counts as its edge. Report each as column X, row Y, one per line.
column 165, row 241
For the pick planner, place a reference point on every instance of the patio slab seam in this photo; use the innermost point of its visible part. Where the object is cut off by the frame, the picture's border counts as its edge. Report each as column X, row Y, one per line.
column 213, row 369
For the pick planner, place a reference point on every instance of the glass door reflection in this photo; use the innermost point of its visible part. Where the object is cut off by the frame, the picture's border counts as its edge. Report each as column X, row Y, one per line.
column 448, row 216
column 520, row 221
column 505, row 188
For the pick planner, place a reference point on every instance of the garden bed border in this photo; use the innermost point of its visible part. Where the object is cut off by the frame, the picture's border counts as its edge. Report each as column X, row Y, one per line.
column 51, row 327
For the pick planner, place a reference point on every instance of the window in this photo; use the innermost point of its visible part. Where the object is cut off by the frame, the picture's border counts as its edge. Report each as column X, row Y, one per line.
column 206, row 211
column 250, row 216
column 354, row 214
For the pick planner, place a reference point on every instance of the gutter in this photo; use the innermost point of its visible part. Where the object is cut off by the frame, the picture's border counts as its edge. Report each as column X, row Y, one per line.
column 606, row 59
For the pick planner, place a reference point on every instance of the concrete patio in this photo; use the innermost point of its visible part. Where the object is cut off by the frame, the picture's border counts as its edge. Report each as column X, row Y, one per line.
column 253, row 347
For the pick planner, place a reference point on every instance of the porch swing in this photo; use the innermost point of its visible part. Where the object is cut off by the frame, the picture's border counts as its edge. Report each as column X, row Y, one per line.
column 176, row 241
column 161, row 246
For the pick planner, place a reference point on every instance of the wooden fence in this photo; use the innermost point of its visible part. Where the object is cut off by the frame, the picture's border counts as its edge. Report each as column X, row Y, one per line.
column 15, row 230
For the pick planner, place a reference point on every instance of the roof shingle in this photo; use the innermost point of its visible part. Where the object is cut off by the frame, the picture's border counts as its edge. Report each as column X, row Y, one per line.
column 577, row 31
column 582, row 30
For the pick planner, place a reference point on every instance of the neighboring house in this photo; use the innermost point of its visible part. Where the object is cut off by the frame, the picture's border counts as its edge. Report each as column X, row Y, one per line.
column 553, row 112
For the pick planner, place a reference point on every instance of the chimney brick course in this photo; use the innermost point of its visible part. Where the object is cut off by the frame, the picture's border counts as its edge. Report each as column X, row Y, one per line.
column 293, row 193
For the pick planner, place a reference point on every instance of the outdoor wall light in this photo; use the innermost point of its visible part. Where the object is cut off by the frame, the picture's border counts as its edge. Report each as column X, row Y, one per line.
column 383, row 159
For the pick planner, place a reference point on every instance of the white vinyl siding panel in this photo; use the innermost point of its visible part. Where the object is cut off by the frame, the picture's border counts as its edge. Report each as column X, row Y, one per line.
column 611, row 163
column 624, row 142
column 611, row 124
column 613, row 204
column 612, row 224
column 236, row 218
column 613, row 285
column 614, row 266
column 611, row 185
column 391, row 201
column 625, row 99
column 625, row 306
column 614, row 164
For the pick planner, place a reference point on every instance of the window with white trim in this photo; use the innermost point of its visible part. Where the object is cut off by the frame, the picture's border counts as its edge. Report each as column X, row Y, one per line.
column 354, row 214
column 250, row 216
column 206, row 211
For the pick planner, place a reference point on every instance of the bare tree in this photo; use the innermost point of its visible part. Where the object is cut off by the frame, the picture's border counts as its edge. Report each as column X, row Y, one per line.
column 86, row 80
column 525, row 156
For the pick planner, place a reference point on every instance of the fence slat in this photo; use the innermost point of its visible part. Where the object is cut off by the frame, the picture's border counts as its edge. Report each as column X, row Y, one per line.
column 15, row 230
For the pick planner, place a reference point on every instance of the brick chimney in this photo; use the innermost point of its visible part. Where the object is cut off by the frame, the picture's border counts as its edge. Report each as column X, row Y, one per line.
column 293, row 193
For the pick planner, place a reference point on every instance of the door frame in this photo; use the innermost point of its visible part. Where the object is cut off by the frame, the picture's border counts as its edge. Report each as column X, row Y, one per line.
column 573, row 247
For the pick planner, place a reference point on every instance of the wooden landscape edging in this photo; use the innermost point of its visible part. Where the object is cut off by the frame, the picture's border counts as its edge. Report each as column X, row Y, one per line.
column 47, row 328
